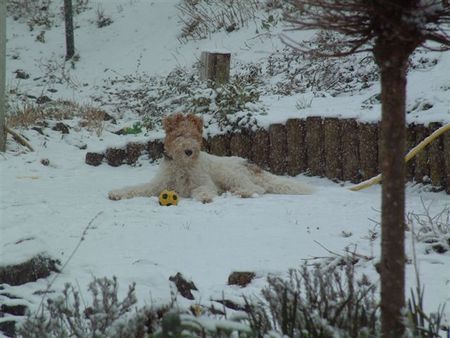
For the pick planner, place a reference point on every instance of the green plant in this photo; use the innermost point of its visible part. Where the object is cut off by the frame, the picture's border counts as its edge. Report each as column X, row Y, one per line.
column 134, row 130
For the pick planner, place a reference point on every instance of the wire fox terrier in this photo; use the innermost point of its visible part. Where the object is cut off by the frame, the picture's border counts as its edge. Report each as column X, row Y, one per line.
column 202, row 176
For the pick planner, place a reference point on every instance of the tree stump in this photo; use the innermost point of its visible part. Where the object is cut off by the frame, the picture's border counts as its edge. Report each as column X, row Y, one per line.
column 220, row 145
column 410, row 143
column 350, row 150
column 332, row 148
column 368, row 149
column 260, row 148
column 215, row 67
column 278, row 148
column 436, row 158
column 241, row 145
column 422, row 170
column 296, row 147
column 314, row 145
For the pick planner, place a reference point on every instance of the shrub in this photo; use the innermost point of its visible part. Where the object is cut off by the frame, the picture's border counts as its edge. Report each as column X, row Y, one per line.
column 107, row 316
column 227, row 107
column 33, row 12
column 201, row 18
column 318, row 303
column 431, row 229
column 298, row 72
column 420, row 324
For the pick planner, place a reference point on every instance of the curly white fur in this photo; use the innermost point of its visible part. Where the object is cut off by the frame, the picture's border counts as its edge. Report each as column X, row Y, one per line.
column 202, row 176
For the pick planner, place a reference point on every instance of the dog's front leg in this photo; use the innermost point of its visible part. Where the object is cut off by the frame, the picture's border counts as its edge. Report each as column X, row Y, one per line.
column 204, row 193
column 142, row 190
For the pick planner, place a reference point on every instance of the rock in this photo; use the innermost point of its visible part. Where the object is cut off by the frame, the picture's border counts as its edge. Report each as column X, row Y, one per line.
column 43, row 99
column 241, row 278
column 45, row 162
column 94, row 159
column 63, row 128
column 40, row 266
column 183, row 286
column 38, row 129
column 8, row 327
column 21, row 74
column 115, row 156
column 107, row 117
column 15, row 310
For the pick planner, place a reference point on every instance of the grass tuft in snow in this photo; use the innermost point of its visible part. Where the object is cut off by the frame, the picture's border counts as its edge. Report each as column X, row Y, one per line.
column 318, row 302
column 431, row 229
column 68, row 315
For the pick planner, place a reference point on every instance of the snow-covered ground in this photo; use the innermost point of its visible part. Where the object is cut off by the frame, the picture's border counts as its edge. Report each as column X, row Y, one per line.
column 47, row 208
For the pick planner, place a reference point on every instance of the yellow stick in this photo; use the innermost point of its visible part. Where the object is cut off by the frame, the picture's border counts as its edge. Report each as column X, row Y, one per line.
column 413, row 152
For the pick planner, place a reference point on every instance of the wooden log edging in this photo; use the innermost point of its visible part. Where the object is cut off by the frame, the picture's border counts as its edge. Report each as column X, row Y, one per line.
column 340, row 149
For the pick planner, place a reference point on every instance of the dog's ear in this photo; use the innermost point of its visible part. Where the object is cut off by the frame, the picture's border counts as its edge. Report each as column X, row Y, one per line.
column 197, row 121
column 170, row 122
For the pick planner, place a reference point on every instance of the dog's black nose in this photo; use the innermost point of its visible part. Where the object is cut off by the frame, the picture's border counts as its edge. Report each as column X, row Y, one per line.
column 188, row 152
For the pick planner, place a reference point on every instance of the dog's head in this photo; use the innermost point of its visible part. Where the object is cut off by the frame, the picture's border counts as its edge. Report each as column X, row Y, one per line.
column 183, row 140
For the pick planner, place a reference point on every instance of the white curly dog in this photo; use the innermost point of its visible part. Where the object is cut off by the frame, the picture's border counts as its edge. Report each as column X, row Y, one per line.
column 202, row 176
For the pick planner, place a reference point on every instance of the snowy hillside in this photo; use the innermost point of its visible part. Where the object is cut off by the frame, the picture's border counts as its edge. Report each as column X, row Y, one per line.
column 49, row 196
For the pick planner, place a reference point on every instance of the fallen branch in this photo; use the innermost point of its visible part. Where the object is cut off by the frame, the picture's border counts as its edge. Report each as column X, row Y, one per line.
column 18, row 138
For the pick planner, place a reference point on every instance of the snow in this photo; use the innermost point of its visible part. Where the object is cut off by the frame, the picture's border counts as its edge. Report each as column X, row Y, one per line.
column 47, row 208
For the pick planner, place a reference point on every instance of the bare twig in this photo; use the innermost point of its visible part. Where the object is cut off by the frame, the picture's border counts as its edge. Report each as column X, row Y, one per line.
column 82, row 237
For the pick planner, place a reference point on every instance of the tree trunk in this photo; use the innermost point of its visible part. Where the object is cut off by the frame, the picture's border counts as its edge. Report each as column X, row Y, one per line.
column 2, row 75
column 392, row 61
column 68, row 15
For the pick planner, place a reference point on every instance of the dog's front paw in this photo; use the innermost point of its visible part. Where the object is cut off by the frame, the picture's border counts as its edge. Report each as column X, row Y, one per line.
column 115, row 195
column 206, row 199
column 203, row 194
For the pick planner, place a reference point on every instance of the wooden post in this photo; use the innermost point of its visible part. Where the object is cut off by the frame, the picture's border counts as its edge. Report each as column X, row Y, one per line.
column 278, row 148
column 220, row 145
column 332, row 148
column 447, row 161
column 68, row 15
column 350, row 150
column 410, row 143
column 215, row 67
column 241, row 144
column 314, row 145
column 436, row 158
column 422, row 170
column 368, row 149
column 260, row 148
column 155, row 149
column 296, row 147
column 2, row 75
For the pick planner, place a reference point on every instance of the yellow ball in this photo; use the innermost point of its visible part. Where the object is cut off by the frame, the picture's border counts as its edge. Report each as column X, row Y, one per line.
column 168, row 197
